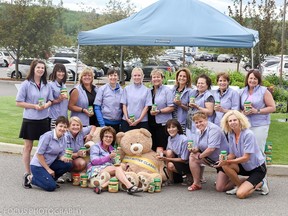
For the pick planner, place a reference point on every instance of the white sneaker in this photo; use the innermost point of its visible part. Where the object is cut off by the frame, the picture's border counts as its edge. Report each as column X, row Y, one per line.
column 60, row 180
column 265, row 189
column 67, row 176
column 232, row 191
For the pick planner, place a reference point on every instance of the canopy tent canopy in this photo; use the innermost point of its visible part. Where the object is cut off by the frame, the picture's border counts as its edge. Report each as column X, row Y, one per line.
column 173, row 23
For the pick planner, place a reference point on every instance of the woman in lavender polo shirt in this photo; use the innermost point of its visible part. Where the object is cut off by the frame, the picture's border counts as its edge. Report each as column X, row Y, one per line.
column 49, row 163
column 75, row 138
column 225, row 97
column 176, row 154
column 82, row 98
column 262, row 104
column 35, row 96
column 136, row 99
column 245, row 157
column 204, row 102
column 59, row 105
column 209, row 142
column 108, row 108
column 182, row 92
column 163, row 97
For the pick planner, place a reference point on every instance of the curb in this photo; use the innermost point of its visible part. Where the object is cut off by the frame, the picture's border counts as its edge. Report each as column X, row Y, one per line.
column 273, row 170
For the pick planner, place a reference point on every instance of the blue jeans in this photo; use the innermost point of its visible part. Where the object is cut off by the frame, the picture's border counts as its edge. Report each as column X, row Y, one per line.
column 44, row 180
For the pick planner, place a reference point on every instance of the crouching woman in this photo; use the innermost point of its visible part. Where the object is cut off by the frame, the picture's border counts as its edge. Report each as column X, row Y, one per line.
column 209, row 142
column 245, row 157
column 49, row 163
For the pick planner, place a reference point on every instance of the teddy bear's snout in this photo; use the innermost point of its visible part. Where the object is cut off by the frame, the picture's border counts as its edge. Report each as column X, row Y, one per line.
column 136, row 148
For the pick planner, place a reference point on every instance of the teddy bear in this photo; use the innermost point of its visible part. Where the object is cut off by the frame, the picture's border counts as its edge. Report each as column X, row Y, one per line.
column 146, row 178
column 101, row 179
column 138, row 156
column 95, row 138
column 132, row 177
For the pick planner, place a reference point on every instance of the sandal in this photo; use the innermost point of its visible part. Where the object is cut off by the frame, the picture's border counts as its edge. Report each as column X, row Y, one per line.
column 97, row 190
column 194, row 187
column 134, row 189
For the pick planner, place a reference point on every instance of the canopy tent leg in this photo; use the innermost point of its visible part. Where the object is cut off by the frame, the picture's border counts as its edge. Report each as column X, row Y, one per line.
column 77, row 59
column 252, row 57
column 122, row 81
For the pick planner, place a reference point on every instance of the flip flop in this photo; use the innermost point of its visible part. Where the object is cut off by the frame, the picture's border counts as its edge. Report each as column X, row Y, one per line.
column 194, row 187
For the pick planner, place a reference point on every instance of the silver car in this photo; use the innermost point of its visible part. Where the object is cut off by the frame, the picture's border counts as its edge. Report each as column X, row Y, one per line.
column 24, row 67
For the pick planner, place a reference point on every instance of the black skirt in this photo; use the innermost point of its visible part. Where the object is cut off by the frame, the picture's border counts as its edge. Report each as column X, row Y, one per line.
column 33, row 129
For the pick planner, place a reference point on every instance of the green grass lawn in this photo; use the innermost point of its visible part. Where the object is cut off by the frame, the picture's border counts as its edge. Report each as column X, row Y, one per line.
column 11, row 119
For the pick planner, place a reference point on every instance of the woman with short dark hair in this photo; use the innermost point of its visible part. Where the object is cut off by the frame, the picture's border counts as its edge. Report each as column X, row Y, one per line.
column 257, row 103
column 101, row 159
column 49, row 162
column 107, row 104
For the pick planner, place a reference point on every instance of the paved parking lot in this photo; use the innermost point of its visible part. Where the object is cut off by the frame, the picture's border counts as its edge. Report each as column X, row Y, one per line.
column 173, row 200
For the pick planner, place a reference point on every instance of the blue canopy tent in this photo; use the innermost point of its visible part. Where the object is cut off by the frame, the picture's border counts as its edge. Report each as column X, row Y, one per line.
column 173, row 23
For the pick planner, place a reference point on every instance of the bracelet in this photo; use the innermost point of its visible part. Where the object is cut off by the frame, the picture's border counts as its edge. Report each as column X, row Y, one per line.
column 160, row 111
column 82, row 110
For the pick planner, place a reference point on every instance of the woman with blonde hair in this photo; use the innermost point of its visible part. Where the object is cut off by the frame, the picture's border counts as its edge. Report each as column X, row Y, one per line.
column 82, row 98
column 136, row 99
column 162, row 98
column 209, row 142
column 245, row 157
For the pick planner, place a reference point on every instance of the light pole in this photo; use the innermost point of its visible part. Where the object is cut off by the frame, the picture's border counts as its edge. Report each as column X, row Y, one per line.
column 282, row 43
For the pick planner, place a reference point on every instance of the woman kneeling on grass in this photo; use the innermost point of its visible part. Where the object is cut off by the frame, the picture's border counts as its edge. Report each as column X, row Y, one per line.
column 102, row 157
column 49, row 163
column 245, row 157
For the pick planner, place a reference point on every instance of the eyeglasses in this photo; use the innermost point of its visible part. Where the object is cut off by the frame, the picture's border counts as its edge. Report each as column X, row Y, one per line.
column 108, row 137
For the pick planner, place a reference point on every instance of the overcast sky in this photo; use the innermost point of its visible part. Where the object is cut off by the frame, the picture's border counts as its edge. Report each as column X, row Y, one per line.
column 220, row 5
column 98, row 5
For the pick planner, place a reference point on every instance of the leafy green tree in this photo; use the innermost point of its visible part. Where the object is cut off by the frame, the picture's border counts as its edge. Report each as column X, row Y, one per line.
column 262, row 17
column 99, row 55
column 27, row 27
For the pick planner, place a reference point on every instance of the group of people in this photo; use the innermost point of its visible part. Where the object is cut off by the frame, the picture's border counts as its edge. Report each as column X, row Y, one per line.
column 173, row 116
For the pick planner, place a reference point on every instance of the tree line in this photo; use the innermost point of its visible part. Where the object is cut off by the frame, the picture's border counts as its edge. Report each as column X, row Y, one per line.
column 31, row 28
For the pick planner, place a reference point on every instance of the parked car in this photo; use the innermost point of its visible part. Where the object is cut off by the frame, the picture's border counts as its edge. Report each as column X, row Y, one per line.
column 71, row 64
column 164, row 65
column 1, row 61
column 5, row 58
column 233, row 58
column 200, row 56
column 24, row 67
column 208, row 57
column 274, row 69
column 246, row 65
column 223, row 58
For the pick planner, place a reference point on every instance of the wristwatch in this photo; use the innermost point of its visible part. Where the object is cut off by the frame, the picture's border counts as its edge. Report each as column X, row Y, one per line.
column 258, row 111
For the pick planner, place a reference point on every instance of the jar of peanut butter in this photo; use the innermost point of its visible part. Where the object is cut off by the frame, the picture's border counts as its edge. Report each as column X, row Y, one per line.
column 84, row 181
column 76, row 179
column 113, row 186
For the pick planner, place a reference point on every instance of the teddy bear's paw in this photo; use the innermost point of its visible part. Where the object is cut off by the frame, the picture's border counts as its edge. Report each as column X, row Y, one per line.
column 132, row 177
column 143, row 183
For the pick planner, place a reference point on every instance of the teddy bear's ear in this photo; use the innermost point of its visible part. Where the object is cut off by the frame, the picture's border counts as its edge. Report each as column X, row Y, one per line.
column 145, row 132
column 119, row 136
